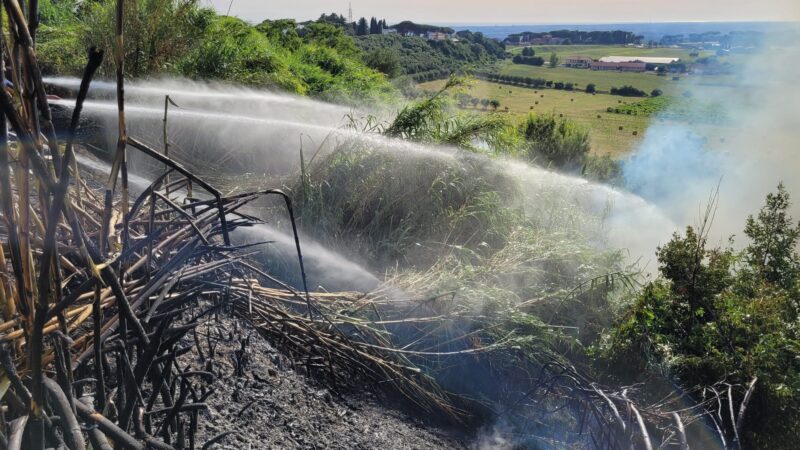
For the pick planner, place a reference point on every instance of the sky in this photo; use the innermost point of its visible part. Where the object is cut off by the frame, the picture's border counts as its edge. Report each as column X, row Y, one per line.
column 519, row 11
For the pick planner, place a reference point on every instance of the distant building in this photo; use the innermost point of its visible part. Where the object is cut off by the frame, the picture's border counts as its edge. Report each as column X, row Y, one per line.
column 644, row 59
column 437, row 36
column 578, row 62
column 388, row 31
column 619, row 66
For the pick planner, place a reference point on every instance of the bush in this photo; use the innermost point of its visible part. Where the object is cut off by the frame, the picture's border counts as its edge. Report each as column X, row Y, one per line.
column 554, row 142
column 656, row 93
column 628, row 91
column 528, row 60
column 558, row 85
column 721, row 315
column 324, row 63
column 603, row 169
column 591, row 88
column 383, row 60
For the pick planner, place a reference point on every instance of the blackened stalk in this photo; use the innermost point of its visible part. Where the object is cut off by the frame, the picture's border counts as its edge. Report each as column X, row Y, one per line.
column 120, row 158
column 49, row 265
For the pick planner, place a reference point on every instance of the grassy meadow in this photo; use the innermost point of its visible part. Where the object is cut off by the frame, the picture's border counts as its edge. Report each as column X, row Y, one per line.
column 604, row 80
column 586, row 109
column 590, row 110
column 598, row 51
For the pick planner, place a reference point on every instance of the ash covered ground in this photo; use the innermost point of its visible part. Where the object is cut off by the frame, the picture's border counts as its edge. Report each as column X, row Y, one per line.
column 268, row 404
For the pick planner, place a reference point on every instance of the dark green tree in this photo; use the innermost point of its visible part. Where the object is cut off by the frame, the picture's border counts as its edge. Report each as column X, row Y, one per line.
column 362, row 29
column 384, row 60
column 553, row 60
column 774, row 235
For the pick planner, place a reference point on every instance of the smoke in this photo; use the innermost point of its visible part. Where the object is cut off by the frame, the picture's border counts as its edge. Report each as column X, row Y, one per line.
column 680, row 164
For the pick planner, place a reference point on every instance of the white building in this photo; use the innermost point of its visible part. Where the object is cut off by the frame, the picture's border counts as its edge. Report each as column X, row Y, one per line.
column 578, row 62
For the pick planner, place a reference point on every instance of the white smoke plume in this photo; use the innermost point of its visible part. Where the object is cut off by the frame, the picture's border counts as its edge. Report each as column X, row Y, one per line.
column 678, row 170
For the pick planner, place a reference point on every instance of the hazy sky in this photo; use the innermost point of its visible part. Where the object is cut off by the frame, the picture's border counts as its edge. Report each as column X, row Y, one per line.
column 520, row 11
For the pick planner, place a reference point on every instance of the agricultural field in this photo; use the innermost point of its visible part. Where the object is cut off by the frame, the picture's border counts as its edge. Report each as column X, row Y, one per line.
column 590, row 112
column 598, row 51
column 585, row 109
column 604, row 80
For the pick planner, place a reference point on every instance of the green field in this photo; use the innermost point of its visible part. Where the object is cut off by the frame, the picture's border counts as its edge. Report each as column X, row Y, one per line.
column 598, row 51
column 604, row 80
column 587, row 110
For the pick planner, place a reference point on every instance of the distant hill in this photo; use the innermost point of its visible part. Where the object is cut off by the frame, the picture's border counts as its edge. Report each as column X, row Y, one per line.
column 426, row 60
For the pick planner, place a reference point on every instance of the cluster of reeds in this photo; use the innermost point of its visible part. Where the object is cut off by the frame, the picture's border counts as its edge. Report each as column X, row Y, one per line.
column 100, row 289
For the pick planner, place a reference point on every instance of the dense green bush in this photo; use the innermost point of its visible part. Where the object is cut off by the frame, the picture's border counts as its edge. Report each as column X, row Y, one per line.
column 628, row 91
column 384, row 60
column 177, row 37
column 528, row 60
column 427, row 60
column 553, row 142
column 723, row 315
column 233, row 50
column 322, row 61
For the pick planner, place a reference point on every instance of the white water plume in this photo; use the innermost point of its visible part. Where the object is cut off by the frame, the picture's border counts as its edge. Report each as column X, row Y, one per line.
column 326, row 270
column 215, row 136
column 211, row 96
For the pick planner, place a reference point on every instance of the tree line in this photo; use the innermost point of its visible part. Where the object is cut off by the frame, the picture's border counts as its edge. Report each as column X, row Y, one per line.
column 615, row 37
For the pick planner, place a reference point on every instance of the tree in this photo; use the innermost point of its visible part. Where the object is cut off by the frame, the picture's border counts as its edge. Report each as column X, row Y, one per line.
column 384, row 60
column 474, row 101
column 485, row 103
column 656, row 93
column 553, row 60
column 774, row 235
column 494, row 103
column 374, row 27
column 527, row 51
column 591, row 88
column 362, row 29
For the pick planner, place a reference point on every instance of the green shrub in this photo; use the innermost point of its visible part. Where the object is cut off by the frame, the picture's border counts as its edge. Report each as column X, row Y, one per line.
column 554, row 142
column 721, row 315
column 628, row 91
